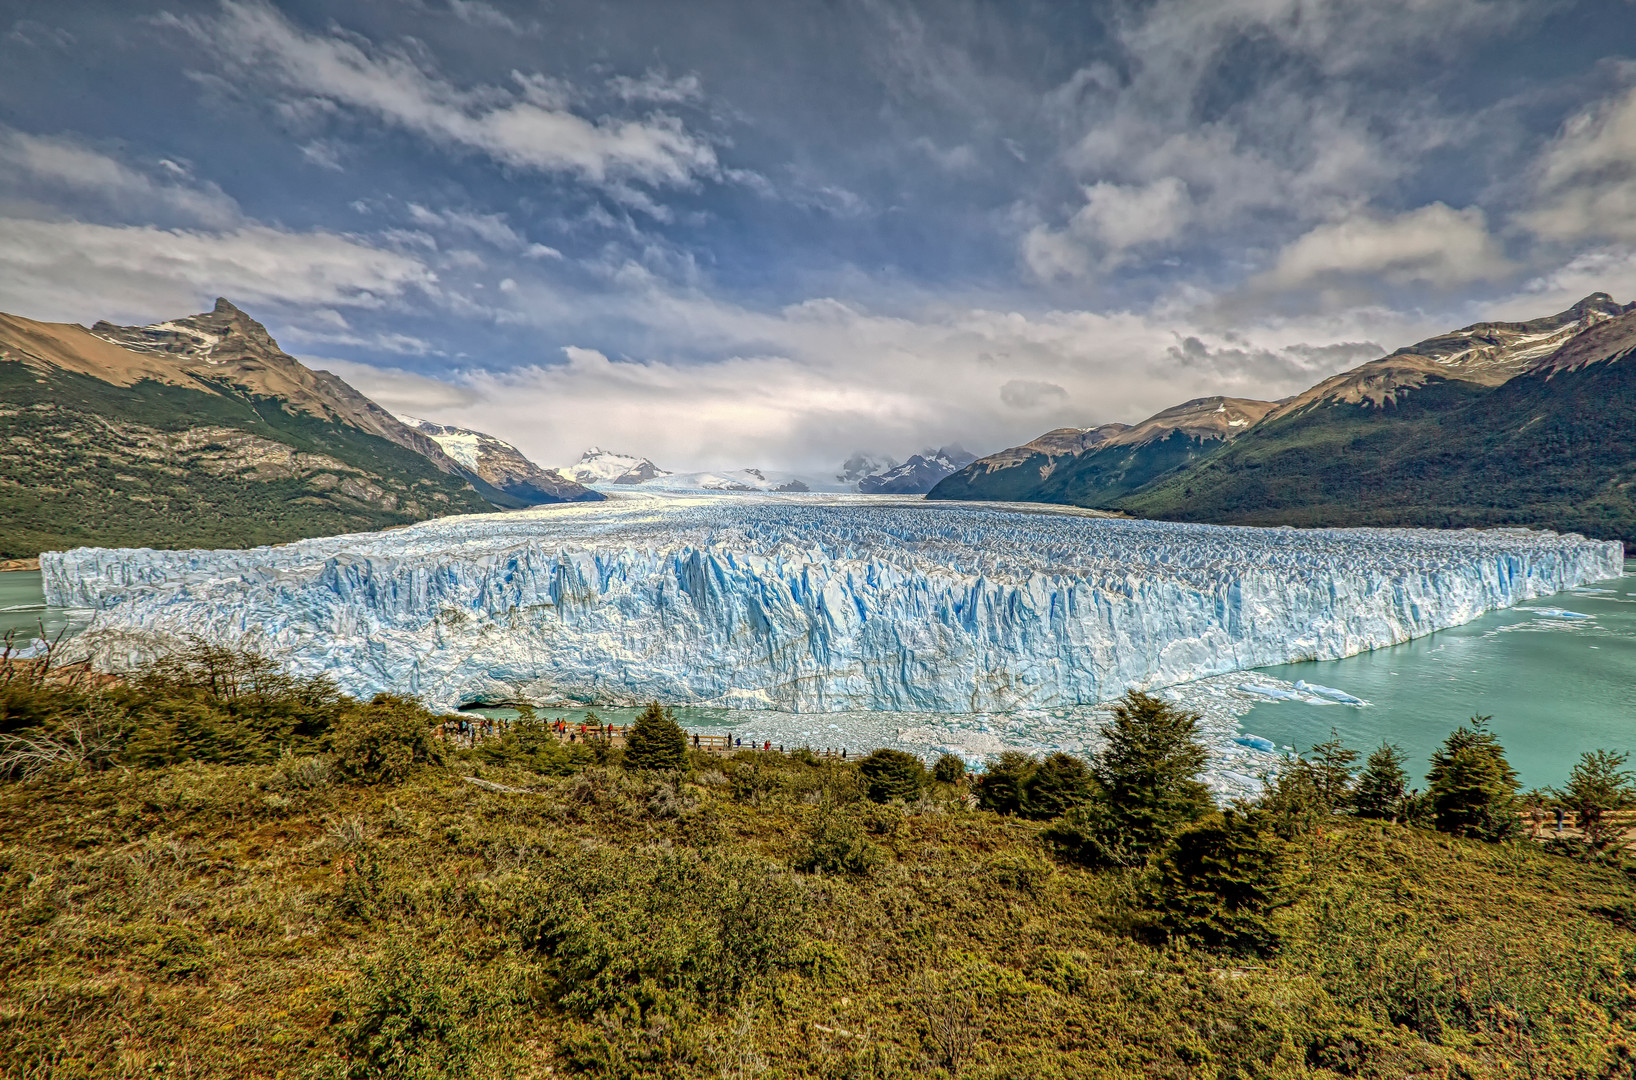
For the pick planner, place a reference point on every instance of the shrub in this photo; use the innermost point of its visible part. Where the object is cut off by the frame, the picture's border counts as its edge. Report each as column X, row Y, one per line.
column 1471, row 787
column 836, row 845
column 1220, row 881
column 1055, row 786
column 1090, row 835
column 1383, row 785
column 655, row 741
column 892, row 774
column 949, row 770
column 414, row 1020
column 387, row 740
column 1000, row 787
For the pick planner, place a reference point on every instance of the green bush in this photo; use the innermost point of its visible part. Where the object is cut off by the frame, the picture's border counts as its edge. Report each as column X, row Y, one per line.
column 1000, row 787
column 409, row 1018
column 836, row 845
column 1220, row 881
column 655, row 741
column 949, row 770
column 1055, row 786
column 892, row 774
column 387, row 740
column 1090, row 834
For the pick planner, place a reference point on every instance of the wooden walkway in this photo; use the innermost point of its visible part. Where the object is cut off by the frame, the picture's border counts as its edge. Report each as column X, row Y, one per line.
column 471, row 730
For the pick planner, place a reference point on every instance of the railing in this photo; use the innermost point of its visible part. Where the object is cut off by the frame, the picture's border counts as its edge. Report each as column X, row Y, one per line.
column 469, row 731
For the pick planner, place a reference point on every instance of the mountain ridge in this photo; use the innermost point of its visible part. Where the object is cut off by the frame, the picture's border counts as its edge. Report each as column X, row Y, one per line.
column 1527, row 423
column 198, row 432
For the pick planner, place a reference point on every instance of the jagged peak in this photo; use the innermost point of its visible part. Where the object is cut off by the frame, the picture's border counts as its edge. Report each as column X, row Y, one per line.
column 224, row 306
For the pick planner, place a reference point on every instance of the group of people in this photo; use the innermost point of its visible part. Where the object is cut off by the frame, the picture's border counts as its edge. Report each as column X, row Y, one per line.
column 469, row 729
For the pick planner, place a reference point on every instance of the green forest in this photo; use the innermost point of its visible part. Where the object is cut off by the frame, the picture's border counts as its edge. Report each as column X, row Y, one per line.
column 212, row 869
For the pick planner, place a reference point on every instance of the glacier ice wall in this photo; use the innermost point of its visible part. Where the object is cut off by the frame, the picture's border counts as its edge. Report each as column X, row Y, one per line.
column 816, row 603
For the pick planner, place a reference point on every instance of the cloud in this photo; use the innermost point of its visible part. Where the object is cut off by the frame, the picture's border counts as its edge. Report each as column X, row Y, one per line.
column 526, row 126
column 1114, row 219
column 80, row 271
column 53, row 164
column 1586, row 178
column 655, row 86
column 1031, row 393
column 705, row 383
column 1433, row 245
column 488, row 17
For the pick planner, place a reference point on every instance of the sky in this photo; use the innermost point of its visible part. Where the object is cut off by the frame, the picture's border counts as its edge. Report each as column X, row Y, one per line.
column 736, row 233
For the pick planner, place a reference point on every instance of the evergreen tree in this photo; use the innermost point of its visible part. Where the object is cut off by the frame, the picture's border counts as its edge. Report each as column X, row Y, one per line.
column 1148, row 773
column 1598, row 787
column 1220, row 881
column 1057, row 785
column 655, row 741
column 1383, row 786
column 1472, row 788
column 892, row 774
column 949, row 770
column 1332, row 766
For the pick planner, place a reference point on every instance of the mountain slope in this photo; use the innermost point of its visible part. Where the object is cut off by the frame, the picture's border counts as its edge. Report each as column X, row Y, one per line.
column 501, row 466
column 197, row 432
column 1553, row 445
column 1103, row 464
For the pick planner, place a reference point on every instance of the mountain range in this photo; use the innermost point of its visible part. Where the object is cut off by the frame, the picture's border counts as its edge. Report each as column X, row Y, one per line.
column 201, row 431
column 1523, row 423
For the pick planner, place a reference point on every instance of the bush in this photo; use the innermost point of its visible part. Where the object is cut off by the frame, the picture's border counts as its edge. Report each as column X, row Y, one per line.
column 1091, row 836
column 892, row 774
column 1056, row 785
column 1000, row 787
column 836, row 846
column 387, row 740
column 414, row 1020
column 1471, row 787
column 949, row 770
column 1220, row 881
column 655, row 741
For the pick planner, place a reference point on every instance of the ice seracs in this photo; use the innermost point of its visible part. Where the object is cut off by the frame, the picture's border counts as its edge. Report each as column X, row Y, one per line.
column 809, row 602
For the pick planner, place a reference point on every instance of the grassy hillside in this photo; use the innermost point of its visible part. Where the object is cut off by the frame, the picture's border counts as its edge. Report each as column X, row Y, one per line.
column 1557, row 452
column 205, row 904
column 156, row 465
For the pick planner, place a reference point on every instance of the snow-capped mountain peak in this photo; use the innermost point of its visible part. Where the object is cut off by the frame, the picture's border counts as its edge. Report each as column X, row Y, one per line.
column 599, row 466
column 919, row 474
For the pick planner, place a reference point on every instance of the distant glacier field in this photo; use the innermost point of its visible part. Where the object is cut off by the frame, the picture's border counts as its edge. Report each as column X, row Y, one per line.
column 808, row 603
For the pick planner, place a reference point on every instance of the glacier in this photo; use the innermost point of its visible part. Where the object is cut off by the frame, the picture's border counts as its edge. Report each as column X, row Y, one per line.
column 807, row 603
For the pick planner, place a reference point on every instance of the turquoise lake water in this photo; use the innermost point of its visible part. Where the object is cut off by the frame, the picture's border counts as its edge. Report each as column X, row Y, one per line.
column 1555, row 684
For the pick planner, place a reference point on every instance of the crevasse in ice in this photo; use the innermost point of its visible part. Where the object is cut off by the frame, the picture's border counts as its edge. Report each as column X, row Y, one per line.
column 812, row 603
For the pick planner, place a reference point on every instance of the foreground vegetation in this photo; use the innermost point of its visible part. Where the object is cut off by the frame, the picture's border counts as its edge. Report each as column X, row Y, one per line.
column 215, row 870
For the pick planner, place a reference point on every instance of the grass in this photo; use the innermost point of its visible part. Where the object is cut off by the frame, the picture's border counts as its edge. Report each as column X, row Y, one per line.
column 265, row 920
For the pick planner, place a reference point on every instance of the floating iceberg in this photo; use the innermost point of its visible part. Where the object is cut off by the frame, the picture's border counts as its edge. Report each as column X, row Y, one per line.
column 808, row 602
column 1328, row 692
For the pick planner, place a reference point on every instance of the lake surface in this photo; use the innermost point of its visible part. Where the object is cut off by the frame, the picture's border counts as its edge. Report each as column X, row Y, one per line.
column 22, row 606
column 1555, row 685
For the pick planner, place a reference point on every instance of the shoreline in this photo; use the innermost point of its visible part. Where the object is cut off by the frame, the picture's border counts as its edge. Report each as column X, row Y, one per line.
column 9, row 565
